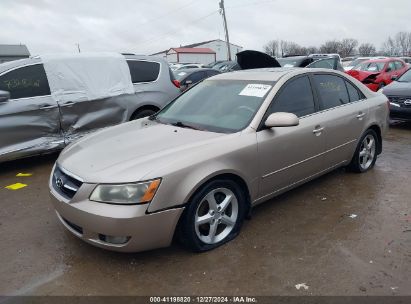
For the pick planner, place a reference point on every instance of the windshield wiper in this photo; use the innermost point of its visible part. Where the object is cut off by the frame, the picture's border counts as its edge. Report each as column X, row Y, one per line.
column 183, row 125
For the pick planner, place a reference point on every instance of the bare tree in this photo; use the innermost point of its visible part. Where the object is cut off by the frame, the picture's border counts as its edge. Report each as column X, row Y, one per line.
column 367, row 49
column 347, row 47
column 290, row 48
column 312, row 50
column 331, row 47
column 272, row 48
column 403, row 43
column 390, row 47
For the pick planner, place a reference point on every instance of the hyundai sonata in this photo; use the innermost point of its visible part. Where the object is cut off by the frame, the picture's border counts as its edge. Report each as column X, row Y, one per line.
column 195, row 169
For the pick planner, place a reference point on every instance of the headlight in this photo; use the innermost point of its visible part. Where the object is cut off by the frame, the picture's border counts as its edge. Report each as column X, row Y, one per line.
column 137, row 193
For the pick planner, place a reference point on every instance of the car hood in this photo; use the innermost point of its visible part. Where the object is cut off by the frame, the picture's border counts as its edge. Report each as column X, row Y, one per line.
column 129, row 152
column 250, row 59
column 397, row 88
column 361, row 75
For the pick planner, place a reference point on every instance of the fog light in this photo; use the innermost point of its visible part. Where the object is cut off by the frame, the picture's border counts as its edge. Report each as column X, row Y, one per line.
column 118, row 240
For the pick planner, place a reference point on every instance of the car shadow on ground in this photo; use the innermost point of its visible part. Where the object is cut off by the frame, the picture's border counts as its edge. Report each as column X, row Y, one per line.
column 28, row 163
column 405, row 125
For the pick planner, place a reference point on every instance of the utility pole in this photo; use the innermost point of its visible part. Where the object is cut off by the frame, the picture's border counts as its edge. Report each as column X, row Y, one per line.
column 222, row 12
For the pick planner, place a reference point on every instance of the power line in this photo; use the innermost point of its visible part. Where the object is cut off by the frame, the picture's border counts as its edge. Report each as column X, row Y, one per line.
column 149, row 41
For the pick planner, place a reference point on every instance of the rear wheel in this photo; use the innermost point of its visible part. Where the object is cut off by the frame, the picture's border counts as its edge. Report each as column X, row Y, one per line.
column 366, row 153
column 213, row 217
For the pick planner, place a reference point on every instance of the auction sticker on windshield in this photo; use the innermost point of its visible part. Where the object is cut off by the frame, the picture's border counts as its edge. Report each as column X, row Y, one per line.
column 255, row 90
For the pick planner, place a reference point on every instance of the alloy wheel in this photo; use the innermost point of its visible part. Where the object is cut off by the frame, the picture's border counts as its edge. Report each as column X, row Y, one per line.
column 367, row 152
column 216, row 215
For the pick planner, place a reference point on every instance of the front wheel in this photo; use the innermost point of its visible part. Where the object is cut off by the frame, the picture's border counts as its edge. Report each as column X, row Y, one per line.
column 366, row 153
column 214, row 216
column 142, row 113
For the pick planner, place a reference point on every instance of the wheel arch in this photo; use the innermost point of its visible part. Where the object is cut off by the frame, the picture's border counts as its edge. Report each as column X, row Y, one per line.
column 148, row 106
column 376, row 128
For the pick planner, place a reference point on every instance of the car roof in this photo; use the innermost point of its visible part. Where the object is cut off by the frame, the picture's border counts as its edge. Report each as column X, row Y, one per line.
column 189, row 71
column 379, row 60
column 265, row 74
column 271, row 74
column 17, row 63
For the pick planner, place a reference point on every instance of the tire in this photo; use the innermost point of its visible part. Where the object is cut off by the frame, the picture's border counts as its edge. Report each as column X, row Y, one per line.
column 142, row 113
column 366, row 153
column 225, row 221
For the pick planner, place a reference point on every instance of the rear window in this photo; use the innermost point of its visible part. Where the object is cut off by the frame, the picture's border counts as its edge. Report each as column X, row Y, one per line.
column 143, row 71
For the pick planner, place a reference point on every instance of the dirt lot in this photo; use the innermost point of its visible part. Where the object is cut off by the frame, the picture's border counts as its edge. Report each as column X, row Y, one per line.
column 304, row 236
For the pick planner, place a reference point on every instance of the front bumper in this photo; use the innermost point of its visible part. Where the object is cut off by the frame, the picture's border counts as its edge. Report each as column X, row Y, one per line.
column 400, row 113
column 92, row 221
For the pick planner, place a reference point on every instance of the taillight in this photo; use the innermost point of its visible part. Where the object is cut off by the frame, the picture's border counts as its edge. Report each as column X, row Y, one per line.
column 176, row 83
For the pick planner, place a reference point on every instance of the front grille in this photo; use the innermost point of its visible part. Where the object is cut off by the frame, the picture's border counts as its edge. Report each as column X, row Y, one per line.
column 403, row 101
column 65, row 184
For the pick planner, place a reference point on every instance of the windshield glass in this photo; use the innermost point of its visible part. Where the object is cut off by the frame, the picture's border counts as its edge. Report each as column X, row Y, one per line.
column 370, row 66
column 290, row 62
column 224, row 106
column 180, row 75
column 356, row 62
column 406, row 77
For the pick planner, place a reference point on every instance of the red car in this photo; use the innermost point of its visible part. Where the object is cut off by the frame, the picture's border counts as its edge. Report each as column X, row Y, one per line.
column 377, row 73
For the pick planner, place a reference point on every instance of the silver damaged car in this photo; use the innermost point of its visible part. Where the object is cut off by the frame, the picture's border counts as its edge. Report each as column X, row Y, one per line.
column 196, row 168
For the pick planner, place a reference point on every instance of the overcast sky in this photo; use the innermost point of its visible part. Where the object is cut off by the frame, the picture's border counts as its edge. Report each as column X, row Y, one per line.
column 145, row 27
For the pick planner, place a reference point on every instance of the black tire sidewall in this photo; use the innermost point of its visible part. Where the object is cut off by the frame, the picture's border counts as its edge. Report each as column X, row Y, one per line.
column 142, row 114
column 355, row 163
column 187, row 231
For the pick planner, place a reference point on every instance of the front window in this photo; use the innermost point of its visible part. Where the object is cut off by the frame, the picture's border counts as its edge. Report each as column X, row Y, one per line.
column 406, row 77
column 224, row 106
column 370, row 66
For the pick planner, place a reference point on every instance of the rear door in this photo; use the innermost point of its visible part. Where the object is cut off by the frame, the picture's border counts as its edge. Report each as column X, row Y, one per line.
column 30, row 119
column 344, row 113
column 288, row 155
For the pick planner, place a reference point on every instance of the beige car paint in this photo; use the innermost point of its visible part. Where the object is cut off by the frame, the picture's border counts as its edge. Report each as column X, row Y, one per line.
column 268, row 161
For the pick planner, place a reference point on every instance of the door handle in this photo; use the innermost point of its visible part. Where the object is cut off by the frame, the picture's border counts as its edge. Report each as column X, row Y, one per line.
column 360, row 115
column 318, row 130
column 46, row 107
column 69, row 103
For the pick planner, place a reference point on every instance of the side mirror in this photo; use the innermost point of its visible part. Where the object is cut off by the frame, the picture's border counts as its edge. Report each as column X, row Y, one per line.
column 388, row 70
column 281, row 119
column 394, row 77
column 4, row 96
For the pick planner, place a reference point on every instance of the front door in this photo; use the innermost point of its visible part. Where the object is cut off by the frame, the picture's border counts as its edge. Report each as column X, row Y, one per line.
column 288, row 155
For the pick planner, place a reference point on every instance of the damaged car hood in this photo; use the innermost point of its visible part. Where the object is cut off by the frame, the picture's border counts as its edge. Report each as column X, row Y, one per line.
column 250, row 59
column 128, row 152
column 361, row 75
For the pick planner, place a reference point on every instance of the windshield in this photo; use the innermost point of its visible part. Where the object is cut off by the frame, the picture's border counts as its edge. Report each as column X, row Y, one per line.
column 370, row 66
column 356, row 61
column 180, row 75
column 406, row 77
column 290, row 62
column 224, row 106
